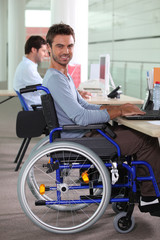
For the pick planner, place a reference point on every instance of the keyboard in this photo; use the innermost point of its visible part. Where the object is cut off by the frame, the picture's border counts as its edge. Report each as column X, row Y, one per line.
column 150, row 115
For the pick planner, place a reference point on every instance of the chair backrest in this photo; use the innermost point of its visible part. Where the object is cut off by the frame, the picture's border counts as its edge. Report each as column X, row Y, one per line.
column 50, row 114
column 22, row 101
column 30, row 124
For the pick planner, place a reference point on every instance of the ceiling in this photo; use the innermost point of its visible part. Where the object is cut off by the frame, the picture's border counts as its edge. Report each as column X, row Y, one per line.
column 45, row 4
column 37, row 4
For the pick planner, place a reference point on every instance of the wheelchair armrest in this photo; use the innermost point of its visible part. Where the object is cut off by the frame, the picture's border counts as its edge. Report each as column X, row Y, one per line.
column 78, row 127
column 30, row 88
column 103, row 127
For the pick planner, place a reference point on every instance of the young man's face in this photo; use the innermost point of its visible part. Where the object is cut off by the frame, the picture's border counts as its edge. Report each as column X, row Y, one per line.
column 62, row 49
column 41, row 54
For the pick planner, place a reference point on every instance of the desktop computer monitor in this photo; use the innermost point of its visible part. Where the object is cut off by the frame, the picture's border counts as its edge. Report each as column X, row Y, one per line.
column 104, row 74
column 100, row 77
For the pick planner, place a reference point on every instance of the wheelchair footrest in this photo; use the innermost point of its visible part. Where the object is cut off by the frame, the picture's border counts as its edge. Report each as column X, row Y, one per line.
column 86, row 197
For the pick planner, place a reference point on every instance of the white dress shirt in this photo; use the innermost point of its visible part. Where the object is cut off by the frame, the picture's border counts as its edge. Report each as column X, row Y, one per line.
column 26, row 74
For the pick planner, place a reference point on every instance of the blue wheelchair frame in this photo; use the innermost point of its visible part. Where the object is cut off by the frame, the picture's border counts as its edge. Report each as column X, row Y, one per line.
column 132, row 179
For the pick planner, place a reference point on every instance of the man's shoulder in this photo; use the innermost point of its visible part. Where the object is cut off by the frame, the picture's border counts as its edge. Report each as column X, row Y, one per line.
column 53, row 73
column 54, row 77
column 25, row 65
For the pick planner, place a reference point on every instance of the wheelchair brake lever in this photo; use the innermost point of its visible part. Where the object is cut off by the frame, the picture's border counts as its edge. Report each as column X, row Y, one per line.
column 114, row 172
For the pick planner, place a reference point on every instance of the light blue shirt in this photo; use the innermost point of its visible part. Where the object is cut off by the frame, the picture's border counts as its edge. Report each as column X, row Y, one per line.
column 71, row 108
column 26, row 74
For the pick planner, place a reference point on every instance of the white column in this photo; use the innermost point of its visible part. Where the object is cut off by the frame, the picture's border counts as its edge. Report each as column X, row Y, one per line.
column 16, row 36
column 74, row 13
column 3, row 40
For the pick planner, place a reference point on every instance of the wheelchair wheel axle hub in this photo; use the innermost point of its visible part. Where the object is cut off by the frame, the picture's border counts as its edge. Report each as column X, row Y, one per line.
column 63, row 188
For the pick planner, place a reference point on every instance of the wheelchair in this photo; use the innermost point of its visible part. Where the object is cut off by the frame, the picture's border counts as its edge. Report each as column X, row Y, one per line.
column 65, row 185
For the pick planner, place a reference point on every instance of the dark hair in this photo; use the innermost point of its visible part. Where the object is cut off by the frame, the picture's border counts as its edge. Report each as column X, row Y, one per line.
column 35, row 42
column 59, row 29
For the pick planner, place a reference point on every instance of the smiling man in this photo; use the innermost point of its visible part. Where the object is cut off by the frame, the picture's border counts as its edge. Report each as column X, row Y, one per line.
column 71, row 108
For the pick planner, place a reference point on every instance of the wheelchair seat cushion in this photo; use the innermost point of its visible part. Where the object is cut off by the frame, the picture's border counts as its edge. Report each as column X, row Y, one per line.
column 99, row 145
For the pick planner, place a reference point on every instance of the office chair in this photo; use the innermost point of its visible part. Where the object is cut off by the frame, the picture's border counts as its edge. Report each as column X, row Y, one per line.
column 22, row 101
column 26, row 141
column 29, row 124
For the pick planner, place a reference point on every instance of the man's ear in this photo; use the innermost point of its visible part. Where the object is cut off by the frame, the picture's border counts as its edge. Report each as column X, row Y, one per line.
column 49, row 49
column 34, row 50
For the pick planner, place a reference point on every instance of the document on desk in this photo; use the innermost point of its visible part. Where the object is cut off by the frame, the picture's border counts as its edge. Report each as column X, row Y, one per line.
column 154, row 122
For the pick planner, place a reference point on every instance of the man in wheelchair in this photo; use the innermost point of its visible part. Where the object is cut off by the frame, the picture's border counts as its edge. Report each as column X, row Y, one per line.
column 72, row 109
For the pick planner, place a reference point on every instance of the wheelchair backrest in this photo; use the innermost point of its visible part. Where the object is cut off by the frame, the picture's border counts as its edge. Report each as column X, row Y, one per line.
column 49, row 112
column 29, row 124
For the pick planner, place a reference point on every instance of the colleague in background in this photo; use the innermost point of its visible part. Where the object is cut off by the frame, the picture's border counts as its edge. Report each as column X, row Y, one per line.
column 26, row 73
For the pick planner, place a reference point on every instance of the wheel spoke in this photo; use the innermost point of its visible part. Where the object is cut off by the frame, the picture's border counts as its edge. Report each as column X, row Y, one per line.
column 68, row 204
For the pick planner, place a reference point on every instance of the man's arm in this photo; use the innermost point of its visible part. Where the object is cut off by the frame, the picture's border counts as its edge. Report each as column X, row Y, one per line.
column 67, row 104
column 122, row 110
column 85, row 104
column 84, row 94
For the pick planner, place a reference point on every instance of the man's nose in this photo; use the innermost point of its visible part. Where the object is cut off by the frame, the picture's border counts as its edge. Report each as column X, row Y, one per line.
column 66, row 50
column 46, row 54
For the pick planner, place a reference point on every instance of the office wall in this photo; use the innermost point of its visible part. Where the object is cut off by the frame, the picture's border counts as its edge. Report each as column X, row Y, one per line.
column 130, row 32
column 9, row 110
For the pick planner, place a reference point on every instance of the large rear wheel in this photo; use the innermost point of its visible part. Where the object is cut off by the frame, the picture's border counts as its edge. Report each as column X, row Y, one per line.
column 74, row 187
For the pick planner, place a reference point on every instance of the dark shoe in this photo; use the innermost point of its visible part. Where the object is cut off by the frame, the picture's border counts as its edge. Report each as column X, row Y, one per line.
column 149, row 204
column 156, row 214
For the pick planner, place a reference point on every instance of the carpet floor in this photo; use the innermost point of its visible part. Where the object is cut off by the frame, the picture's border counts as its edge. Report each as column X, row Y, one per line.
column 14, row 225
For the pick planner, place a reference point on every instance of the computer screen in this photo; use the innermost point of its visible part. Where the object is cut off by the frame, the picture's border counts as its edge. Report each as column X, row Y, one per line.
column 102, row 68
column 104, row 75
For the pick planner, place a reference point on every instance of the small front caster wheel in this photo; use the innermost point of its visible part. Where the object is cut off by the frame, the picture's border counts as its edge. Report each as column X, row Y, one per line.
column 122, row 224
column 118, row 207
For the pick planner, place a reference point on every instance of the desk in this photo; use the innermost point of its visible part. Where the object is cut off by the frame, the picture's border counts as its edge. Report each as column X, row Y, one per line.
column 7, row 93
column 115, row 101
column 141, row 125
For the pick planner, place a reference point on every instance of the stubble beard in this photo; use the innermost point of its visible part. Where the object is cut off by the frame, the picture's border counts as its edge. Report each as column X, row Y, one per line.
column 55, row 59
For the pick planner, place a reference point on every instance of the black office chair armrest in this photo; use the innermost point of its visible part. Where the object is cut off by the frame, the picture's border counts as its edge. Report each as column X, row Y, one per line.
column 31, row 88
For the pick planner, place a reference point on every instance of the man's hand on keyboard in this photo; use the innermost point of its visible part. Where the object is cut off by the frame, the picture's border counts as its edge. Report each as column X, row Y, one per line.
column 130, row 109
